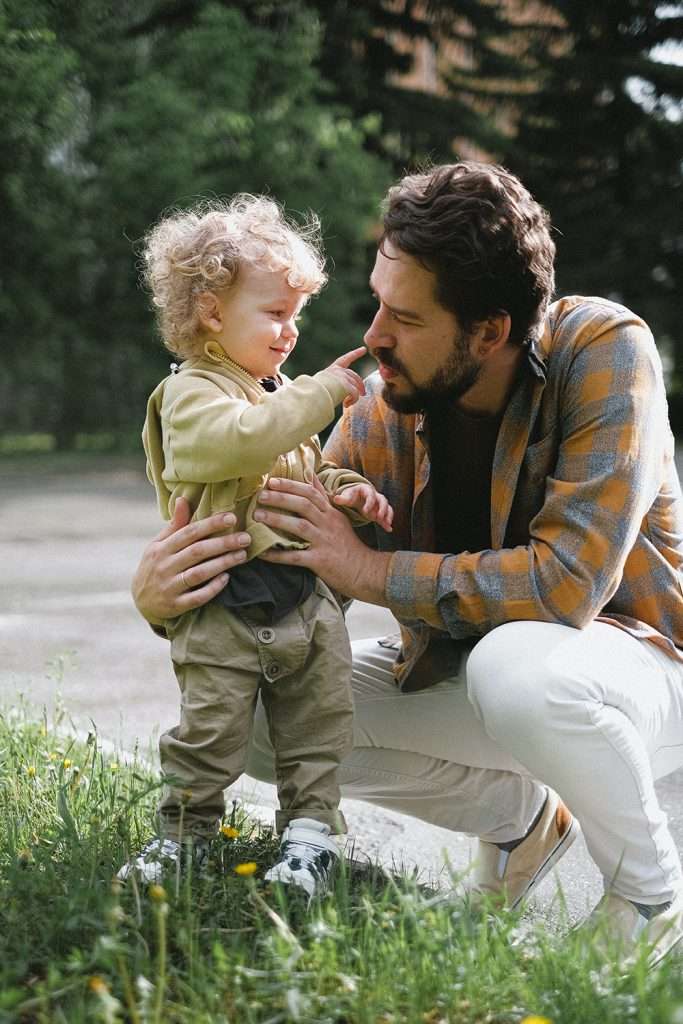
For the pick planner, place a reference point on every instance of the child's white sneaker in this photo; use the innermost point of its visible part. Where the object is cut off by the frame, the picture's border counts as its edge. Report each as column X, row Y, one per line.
column 159, row 857
column 308, row 856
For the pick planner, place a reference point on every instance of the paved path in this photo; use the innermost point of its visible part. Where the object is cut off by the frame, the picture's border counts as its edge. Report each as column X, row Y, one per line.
column 69, row 540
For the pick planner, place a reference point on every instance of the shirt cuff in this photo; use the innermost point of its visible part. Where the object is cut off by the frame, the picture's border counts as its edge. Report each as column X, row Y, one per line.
column 412, row 587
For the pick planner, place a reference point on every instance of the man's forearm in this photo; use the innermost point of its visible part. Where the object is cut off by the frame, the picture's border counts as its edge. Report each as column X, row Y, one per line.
column 369, row 581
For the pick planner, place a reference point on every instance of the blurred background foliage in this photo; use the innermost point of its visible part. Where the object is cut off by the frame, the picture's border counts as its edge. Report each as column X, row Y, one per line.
column 113, row 110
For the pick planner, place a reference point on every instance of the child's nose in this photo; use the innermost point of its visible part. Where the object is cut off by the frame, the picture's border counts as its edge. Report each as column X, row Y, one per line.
column 290, row 329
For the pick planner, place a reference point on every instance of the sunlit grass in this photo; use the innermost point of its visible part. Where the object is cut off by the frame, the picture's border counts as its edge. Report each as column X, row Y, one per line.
column 77, row 946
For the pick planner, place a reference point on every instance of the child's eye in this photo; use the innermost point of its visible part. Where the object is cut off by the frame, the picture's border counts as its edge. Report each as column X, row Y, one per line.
column 276, row 312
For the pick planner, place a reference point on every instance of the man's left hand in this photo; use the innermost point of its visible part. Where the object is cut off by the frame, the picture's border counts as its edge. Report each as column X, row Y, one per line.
column 334, row 552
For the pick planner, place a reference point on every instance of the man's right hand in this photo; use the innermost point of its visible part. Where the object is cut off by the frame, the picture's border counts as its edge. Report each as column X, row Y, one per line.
column 185, row 565
column 353, row 382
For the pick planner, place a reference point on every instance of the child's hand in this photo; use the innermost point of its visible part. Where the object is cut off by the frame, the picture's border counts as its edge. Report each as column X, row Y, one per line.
column 350, row 379
column 369, row 502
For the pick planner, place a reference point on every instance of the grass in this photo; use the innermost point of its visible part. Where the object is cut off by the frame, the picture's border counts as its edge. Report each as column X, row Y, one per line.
column 102, row 442
column 76, row 946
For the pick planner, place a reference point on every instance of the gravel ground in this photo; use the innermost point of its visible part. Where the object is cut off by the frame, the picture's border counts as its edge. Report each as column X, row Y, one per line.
column 70, row 535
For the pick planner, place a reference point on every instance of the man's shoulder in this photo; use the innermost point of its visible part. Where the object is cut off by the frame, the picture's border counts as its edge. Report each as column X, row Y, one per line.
column 575, row 321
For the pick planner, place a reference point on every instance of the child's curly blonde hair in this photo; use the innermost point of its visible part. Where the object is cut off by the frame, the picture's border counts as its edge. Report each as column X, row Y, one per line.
column 201, row 249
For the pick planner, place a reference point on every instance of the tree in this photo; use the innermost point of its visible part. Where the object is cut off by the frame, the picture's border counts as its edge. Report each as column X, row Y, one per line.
column 220, row 106
column 600, row 143
column 367, row 53
column 39, row 107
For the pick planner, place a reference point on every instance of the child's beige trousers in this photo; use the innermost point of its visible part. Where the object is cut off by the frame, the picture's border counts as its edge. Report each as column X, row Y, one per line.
column 301, row 667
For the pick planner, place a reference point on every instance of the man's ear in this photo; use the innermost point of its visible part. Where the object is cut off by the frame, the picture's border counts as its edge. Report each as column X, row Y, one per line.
column 210, row 312
column 490, row 336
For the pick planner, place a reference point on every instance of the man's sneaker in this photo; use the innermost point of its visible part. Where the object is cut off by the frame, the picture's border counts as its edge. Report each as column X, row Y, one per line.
column 159, row 858
column 617, row 929
column 509, row 876
column 308, row 856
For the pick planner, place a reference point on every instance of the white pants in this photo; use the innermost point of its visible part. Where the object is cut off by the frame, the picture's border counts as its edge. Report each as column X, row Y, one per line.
column 593, row 713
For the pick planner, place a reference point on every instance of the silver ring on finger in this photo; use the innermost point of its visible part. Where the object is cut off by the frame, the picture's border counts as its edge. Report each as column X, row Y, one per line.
column 188, row 586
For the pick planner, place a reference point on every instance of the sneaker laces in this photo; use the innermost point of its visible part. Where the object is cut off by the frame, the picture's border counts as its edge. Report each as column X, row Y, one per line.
column 301, row 855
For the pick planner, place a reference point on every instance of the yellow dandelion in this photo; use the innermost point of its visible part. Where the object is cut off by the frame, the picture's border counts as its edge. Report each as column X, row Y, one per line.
column 157, row 893
column 229, row 832
column 246, row 869
column 98, row 985
column 31, row 771
column 114, row 766
column 534, row 1019
column 43, row 731
column 66, row 763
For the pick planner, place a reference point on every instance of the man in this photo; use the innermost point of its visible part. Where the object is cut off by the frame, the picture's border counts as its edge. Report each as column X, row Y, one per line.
column 534, row 563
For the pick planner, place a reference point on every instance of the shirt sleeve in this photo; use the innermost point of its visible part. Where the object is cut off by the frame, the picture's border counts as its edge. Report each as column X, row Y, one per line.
column 213, row 436
column 611, row 424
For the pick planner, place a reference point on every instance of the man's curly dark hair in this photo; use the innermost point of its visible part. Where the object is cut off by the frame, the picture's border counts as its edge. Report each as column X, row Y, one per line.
column 482, row 234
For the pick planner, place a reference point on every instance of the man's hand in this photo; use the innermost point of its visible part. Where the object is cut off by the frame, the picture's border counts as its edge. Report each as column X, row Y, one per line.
column 368, row 502
column 334, row 551
column 185, row 565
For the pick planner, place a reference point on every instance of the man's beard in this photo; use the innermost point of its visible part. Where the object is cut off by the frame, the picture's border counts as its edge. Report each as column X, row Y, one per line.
column 450, row 382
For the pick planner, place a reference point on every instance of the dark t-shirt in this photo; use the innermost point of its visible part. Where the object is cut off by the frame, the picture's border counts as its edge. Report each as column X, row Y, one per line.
column 275, row 589
column 462, row 447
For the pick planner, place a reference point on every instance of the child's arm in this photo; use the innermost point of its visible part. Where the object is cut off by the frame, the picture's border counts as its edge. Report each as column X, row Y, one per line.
column 213, row 436
column 354, row 495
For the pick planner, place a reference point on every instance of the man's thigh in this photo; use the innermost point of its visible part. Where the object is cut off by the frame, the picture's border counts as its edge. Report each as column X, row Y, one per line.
column 438, row 722
column 565, row 667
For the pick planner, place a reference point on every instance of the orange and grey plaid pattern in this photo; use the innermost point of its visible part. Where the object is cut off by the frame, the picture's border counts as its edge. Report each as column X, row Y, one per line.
column 586, row 505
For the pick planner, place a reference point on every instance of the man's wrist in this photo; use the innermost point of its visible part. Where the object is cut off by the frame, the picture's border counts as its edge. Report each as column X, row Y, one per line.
column 370, row 580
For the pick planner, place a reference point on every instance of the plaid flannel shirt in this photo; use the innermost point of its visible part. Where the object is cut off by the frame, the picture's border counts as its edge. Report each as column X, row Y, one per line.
column 586, row 505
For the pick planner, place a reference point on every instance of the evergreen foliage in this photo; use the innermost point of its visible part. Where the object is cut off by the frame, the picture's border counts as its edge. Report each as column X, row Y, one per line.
column 112, row 112
column 600, row 143
column 214, row 107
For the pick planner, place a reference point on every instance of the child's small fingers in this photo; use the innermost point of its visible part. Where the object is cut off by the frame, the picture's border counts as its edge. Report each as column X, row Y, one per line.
column 345, row 498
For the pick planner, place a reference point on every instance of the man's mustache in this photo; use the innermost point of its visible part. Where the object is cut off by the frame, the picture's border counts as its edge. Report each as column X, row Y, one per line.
column 386, row 357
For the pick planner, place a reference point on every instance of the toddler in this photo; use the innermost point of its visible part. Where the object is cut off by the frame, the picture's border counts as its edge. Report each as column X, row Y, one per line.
column 229, row 281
